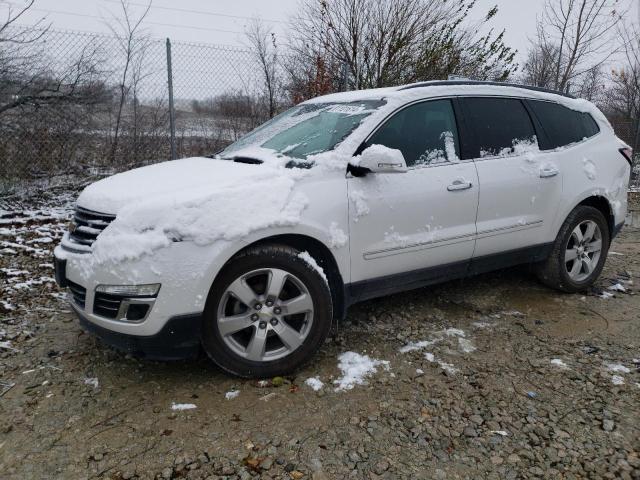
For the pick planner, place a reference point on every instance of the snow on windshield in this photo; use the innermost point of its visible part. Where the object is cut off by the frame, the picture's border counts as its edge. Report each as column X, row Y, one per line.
column 307, row 129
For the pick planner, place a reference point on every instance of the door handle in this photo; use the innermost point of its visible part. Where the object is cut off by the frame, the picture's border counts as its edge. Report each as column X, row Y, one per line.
column 548, row 172
column 459, row 185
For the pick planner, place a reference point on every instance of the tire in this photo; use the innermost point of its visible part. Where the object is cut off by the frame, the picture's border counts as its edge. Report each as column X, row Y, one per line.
column 273, row 342
column 557, row 273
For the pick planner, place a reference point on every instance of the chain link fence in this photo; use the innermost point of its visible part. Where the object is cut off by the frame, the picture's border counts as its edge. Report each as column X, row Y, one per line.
column 101, row 104
column 626, row 130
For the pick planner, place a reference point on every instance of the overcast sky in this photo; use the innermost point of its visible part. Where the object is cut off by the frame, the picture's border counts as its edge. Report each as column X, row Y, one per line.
column 182, row 22
column 224, row 21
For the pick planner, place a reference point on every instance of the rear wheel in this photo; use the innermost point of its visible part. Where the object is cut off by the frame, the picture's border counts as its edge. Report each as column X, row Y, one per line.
column 267, row 313
column 579, row 251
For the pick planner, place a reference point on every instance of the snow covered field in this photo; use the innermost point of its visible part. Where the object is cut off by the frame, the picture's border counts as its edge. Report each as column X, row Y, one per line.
column 494, row 375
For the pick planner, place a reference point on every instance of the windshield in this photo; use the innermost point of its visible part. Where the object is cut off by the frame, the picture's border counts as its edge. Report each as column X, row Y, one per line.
column 307, row 129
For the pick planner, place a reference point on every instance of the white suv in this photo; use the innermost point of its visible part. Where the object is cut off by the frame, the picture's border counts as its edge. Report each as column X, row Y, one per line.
column 251, row 254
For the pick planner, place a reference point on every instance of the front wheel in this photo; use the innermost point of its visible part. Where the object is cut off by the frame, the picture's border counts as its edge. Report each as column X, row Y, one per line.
column 579, row 252
column 267, row 313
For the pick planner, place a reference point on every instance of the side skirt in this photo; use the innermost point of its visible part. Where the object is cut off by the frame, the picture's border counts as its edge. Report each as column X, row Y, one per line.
column 387, row 285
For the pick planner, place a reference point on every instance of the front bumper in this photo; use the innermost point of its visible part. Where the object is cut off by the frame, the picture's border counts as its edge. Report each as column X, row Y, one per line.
column 178, row 340
column 171, row 329
column 181, row 269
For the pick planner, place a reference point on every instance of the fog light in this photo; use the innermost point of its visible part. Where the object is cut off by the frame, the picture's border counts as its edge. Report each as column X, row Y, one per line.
column 150, row 290
column 137, row 312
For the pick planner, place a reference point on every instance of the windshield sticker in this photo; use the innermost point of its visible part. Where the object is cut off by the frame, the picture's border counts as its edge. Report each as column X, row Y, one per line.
column 346, row 109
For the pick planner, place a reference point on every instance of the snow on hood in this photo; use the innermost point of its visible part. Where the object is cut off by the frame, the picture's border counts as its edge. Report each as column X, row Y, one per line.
column 198, row 199
column 177, row 180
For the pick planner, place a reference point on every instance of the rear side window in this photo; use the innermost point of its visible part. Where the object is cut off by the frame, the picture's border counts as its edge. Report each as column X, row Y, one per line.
column 501, row 125
column 562, row 125
column 589, row 124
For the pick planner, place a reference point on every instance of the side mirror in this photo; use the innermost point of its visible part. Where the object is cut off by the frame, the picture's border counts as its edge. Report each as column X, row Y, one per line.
column 380, row 159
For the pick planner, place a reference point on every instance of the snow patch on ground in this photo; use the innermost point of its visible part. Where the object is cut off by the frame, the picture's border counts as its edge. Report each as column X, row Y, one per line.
column 413, row 346
column 312, row 261
column 314, row 383
column 182, row 406
column 483, row 324
column 617, row 380
column 355, row 369
column 7, row 306
column 6, row 345
column 558, row 362
column 230, row 395
column 618, row 287
column 453, row 332
column 465, row 345
column 618, row 368
column 92, row 382
column 447, row 367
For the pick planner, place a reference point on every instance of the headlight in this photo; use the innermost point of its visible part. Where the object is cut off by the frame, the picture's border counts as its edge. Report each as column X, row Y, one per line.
column 150, row 290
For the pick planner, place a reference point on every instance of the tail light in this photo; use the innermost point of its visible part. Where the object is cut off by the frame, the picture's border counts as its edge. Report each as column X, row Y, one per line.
column 628, row 154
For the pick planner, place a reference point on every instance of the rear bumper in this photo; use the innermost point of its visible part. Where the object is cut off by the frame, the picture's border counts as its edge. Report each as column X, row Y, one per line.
column 179, row 339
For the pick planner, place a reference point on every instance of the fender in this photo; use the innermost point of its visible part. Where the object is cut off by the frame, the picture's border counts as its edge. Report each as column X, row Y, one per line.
column 569, row 207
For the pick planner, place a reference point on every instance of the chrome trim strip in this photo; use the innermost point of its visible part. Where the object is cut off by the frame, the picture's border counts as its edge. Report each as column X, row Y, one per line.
column 417, row 246
column 511, row 228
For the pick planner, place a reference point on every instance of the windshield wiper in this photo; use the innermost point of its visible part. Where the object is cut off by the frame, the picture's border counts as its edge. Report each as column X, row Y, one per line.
column 249, row 160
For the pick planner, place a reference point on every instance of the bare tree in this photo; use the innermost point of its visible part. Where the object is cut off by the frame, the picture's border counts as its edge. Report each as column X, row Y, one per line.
column 44, row 94
column 376, row 39
column 457, row 47
column 390, row 42
column 623, row 94
column 133, row 43
column 26, row 81
column 540, row 65
column 574, row 40
column 263, row 45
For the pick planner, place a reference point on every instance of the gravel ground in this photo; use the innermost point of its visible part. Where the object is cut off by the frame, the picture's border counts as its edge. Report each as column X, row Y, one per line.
column 491, row 377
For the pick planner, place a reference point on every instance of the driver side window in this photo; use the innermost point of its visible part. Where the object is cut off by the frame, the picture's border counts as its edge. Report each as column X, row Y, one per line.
column 425, row 133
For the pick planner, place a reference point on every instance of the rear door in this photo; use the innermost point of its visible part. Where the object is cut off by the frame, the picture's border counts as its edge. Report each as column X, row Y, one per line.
column 408, row 228
column 519, row 190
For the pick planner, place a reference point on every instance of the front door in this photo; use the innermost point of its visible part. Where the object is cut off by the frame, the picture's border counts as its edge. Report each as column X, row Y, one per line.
column 406, row 228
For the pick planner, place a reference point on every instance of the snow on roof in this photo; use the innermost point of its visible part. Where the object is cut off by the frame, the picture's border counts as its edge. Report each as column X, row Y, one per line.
column 411, row 92
column 401, row 95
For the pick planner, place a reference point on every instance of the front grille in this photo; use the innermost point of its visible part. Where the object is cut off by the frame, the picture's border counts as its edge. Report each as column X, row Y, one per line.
column 78, row 293
column 88, row 225
column 106, row 305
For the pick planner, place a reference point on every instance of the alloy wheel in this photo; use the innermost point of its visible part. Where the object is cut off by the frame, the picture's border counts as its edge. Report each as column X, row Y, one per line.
column 265, row 314
column 583, row 250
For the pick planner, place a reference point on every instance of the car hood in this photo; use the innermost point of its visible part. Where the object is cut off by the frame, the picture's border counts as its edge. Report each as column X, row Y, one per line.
column 202, row 200
column 170, row 182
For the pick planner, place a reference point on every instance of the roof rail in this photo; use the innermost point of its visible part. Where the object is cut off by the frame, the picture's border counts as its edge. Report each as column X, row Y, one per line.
column 444, row 83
